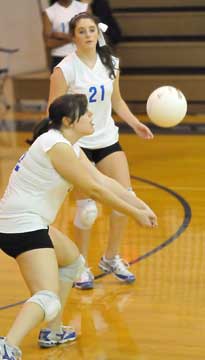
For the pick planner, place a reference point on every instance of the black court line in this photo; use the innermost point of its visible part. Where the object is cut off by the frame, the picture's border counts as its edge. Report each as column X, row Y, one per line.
column 12, row 305
column 180, row 230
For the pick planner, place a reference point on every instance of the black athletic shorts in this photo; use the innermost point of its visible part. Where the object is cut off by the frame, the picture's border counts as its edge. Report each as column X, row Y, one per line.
column 96, row 155
column 15, row 244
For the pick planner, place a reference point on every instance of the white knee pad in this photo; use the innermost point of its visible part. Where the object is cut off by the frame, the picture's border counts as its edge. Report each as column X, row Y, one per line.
column 71, row 272
column 129, row 189
column 86, row 214
column 48, row 301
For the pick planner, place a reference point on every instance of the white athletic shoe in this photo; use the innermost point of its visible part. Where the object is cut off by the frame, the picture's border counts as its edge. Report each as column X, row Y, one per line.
column 48, row 338
column 118, row 267
column 8, row 352
column 85, row 280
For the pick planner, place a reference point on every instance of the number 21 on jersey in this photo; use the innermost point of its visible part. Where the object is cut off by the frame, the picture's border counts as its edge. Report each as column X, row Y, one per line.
column 94, row 91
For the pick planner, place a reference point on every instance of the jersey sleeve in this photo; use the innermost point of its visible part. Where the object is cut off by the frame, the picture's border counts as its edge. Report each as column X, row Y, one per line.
column 52, row 138
column 49, row 13
column 67, row 69
column 83, row 7
column 76, row 148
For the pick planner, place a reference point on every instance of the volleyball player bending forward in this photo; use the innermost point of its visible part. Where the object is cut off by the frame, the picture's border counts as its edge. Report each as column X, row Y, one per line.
column 48, row 260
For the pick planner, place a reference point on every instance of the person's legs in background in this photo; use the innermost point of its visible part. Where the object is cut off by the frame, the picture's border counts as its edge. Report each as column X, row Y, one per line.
column 114, row 165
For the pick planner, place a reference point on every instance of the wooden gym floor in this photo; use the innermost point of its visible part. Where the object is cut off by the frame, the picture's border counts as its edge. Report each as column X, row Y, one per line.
column 162, row 315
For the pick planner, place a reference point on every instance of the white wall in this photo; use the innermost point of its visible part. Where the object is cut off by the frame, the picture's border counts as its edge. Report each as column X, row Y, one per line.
column 21, row 27
column 44, row 4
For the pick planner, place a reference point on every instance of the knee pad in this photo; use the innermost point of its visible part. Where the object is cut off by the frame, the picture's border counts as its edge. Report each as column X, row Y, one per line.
column 48, row 301
column 71, row 272
column 129, row 189
column 86, row 214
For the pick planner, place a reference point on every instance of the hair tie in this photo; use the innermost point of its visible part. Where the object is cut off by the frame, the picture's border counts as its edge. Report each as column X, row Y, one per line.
column 102, row 28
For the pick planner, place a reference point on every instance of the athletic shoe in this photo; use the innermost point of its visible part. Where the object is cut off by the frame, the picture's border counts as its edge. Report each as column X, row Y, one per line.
column 48, row 338
column 8, row 352
column 85, row 280
column 118, row 267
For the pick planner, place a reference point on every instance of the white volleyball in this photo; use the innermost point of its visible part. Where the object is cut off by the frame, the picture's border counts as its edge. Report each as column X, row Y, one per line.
column 166, row 106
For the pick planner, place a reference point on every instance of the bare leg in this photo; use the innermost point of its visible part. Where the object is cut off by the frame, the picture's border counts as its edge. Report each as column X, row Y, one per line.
column 29, row 316
column 115, row 166
column 34, row 266
column 64, row 292
column 66, row 253
column 82, row 237
column 116, row 233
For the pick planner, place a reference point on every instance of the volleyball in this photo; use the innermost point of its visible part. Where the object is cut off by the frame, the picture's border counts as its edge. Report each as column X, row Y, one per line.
column 166, row 106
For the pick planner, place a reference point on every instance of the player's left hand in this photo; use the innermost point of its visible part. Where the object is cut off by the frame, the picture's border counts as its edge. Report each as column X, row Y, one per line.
column 143, row 131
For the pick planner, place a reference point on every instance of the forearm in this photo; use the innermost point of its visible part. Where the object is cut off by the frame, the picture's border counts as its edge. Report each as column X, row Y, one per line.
column 111, row 199
column 57, row 40
column 124, row 194
column 54, row 43
column 112, row 185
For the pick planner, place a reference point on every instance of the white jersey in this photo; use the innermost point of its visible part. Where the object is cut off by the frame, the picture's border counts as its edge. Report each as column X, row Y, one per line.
column 35, row 191
column 60, row 17
column 96, row 84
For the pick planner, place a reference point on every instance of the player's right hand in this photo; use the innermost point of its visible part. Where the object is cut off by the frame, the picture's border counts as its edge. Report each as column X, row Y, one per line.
column 147, row 218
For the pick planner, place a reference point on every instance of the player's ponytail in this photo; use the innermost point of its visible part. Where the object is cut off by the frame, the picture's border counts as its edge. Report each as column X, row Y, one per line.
column 39, row 129
column 106, row 58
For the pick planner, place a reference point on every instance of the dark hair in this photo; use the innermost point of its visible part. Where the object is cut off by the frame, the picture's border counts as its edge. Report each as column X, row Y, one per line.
column 72, row 106
column 103, row 51
column 102, row 9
